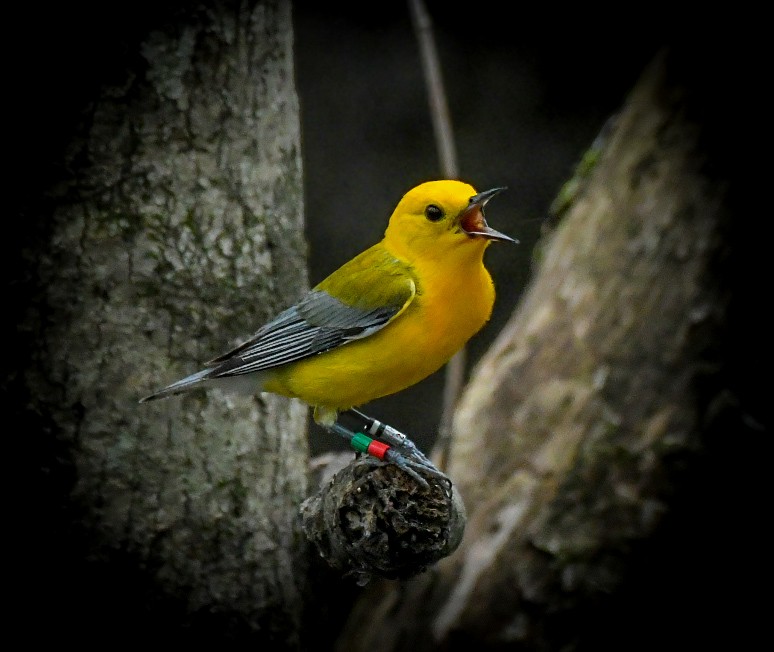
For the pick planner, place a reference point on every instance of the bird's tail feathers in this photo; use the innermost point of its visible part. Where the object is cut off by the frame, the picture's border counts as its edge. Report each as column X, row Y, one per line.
column 181, row 386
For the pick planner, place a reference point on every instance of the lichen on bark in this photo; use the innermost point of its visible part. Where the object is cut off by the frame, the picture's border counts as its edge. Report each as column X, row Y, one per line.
column 176, row 228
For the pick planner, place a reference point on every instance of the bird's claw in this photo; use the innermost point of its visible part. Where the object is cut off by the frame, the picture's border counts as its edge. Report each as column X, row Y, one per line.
column 412, row 466
column 394, row 457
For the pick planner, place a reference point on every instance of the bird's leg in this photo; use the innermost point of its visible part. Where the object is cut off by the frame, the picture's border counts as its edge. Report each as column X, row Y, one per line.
column 390, row 435
column 378, row 450
column 401, row 451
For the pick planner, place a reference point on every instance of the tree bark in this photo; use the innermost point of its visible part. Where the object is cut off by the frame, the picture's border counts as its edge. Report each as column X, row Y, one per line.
column 174, row 228
column 593, row 433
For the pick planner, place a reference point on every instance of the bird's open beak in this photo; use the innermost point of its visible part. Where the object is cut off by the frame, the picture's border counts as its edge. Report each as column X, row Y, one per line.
column 473, row 222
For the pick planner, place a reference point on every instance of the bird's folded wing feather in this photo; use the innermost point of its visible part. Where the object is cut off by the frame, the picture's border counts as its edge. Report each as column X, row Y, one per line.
column 367, row 297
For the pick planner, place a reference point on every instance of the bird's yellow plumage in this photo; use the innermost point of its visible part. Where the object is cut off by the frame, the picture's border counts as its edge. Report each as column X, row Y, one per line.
column 383, row 321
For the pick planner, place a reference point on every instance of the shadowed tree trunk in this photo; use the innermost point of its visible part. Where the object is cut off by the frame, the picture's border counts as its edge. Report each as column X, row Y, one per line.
column 595, row 444
column 174, row 228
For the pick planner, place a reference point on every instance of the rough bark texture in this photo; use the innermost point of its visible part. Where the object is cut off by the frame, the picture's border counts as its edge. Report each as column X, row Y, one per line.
column 175, row 228
column 375, row 520
column 586, row 445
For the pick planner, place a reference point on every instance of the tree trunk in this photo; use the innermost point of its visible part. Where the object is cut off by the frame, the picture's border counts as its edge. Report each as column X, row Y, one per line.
column 175, row 228
column 592, row 446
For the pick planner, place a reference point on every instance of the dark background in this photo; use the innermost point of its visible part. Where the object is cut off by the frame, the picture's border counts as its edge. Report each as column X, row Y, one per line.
column 527, row 93
column 528, row 89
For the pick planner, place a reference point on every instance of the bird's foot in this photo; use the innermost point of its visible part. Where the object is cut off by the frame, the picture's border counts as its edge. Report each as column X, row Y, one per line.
column 386, row 443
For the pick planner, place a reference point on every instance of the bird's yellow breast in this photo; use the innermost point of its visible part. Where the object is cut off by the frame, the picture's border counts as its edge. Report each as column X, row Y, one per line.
column 454, row 300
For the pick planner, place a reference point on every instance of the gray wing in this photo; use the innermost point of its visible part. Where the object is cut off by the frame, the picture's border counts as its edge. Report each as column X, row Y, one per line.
column 318, row 323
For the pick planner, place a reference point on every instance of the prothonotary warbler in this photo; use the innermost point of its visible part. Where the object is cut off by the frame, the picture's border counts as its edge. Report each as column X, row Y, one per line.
column 383, row 321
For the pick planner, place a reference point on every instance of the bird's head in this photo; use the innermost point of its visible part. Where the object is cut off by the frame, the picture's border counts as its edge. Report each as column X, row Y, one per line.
column 441, row 218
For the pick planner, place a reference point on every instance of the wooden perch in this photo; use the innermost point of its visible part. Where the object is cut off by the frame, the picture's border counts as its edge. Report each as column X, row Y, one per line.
column 375, row 520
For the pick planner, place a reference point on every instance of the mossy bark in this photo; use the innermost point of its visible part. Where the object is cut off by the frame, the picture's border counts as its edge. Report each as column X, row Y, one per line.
column 174, row 228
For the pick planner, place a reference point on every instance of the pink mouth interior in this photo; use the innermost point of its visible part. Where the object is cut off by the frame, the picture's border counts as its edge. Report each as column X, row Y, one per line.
column 473, row 220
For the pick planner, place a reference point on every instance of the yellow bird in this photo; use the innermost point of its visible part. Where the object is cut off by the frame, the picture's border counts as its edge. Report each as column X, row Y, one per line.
column 380, row 323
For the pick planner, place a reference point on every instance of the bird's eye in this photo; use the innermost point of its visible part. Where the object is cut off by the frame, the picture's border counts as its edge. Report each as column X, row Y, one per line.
column 433, row 213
